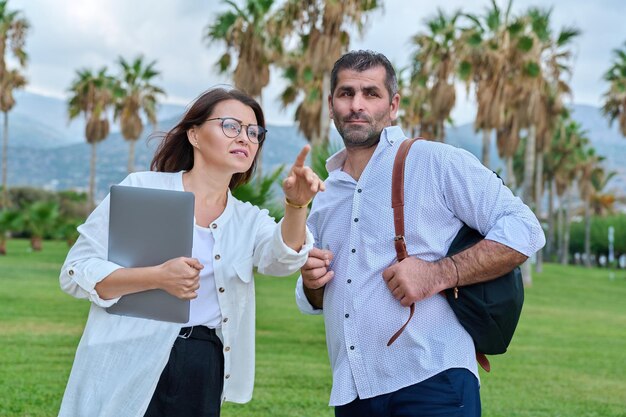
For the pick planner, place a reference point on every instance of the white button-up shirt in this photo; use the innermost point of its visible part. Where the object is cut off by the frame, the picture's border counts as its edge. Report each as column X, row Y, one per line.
column 119, row 359
column 444, row 186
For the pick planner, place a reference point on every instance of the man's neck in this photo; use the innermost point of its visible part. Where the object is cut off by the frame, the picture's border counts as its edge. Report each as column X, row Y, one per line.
column 356, row 160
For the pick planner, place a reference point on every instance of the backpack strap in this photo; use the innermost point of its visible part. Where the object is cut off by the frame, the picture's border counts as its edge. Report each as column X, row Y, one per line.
column 397, row 203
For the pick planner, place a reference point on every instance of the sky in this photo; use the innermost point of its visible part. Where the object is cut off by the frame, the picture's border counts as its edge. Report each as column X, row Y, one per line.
column 70, row 34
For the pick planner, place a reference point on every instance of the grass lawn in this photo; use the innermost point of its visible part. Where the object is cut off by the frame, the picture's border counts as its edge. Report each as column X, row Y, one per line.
column 568, row 357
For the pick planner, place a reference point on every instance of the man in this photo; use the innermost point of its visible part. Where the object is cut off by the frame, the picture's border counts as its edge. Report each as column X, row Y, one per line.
column 354, row 280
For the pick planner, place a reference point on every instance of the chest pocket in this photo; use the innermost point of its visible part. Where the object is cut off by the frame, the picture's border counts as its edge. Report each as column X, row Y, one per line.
column 244, row 268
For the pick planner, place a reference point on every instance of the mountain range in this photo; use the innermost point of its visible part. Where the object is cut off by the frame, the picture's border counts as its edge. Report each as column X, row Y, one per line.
column 47, row 151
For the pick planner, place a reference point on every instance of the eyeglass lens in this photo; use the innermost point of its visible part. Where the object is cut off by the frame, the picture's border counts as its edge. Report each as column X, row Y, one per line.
column 232, row 128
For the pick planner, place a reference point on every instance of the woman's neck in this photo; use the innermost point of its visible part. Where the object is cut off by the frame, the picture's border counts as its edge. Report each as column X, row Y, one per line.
column 209, row 188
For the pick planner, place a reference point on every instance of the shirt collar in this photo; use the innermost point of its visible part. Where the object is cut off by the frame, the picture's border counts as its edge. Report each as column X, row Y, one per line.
column 388, row 137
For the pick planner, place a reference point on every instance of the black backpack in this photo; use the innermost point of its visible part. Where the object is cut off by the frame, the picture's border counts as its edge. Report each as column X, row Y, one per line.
column 489, row 311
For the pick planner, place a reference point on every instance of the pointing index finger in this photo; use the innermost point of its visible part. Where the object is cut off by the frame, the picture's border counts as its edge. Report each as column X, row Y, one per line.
column 302, row 156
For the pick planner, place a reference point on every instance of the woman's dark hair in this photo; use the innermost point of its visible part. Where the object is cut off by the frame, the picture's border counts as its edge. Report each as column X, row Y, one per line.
column 175, row 153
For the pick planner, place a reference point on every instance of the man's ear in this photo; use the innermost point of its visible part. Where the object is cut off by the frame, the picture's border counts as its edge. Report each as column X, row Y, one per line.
column 331, row 113
column 394, row 106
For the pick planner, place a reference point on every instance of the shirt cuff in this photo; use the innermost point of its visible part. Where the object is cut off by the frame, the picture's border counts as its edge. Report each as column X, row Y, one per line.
column 287, row 254
column 303, row 302
column 87, row 275
column 522, row 235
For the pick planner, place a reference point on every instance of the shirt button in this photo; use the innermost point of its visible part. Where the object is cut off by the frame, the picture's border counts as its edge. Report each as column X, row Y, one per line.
column 356, row 219
column 214, row 226
column 70, row 272
column 225, row 319
column 217, row 257
column 349, row 281
column 359, row 190
column 227, row 376
column 347, row 315
column 351, row 347
column 221, row 289
column 227, row 348
column 353, row 250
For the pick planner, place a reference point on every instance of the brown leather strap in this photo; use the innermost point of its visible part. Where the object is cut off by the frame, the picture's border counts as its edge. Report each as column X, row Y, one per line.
column 397, row 203
column 483, row 361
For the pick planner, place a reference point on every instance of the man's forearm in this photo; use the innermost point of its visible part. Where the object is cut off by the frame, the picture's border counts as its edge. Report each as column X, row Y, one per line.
column 484, row 261
column 315, row 297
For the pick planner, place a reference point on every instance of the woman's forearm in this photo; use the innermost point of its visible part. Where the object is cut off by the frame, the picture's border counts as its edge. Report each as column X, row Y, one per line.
column 125, row 281
column 294, row 227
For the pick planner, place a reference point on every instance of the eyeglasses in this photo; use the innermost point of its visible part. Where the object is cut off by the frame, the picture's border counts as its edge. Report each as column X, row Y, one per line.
column 232, row 128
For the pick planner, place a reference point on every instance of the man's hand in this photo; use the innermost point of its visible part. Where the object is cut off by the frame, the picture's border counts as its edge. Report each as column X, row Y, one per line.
column 413, row 280
column 315, row 275
column 315, row 272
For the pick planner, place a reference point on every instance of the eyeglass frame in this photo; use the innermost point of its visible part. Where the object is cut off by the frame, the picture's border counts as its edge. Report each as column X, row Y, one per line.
column 262, row 130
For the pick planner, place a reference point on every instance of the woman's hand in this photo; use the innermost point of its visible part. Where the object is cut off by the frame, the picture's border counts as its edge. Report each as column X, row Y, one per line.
column 180, row 277
column 302, row 183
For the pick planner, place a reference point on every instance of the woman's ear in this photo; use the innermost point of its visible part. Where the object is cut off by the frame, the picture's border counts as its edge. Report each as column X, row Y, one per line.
column 193, row 140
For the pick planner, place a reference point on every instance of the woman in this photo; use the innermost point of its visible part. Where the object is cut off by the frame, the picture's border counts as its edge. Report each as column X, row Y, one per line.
column 126, row 366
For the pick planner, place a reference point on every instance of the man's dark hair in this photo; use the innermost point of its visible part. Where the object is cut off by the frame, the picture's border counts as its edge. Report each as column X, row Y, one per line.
column 362, row 60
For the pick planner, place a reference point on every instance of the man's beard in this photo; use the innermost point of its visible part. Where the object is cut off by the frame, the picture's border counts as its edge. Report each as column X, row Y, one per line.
column 359, row 136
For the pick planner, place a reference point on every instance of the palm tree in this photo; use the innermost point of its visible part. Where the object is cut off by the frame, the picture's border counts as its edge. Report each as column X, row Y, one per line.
column 92, row 96
column 13, row 30
column 135, row 93
column 486, row 59
column 546, row 92
column 9, row 221
column 589, row 163
column 566, row 173
column 437, row 60
column 603, row 201
column 321, row 29
column 614, row 107
column 245, row 32
column 39, row 220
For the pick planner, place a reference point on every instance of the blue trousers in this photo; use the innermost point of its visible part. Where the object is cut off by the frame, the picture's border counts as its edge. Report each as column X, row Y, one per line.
column 451, row 393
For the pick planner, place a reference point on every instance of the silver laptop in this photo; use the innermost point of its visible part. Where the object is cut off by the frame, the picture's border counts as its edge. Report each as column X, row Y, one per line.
column 146, row 228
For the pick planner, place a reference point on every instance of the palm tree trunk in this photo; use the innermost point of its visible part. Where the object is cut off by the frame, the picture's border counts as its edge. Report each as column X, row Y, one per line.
column 92, row 178
column 131, row 156
column 510, row 174
column 5, row 149
column 539, row 205
column 324, row 114
column 441, row 135
column 527, row 276
column 529, row 166
column 551, row 222
column 539, row 182
column 566, row 227
column 560, row 222
column 587, row 234
column 486, row 147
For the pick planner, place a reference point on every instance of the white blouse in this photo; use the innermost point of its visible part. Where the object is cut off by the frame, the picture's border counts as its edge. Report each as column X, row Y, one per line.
column 119, row 359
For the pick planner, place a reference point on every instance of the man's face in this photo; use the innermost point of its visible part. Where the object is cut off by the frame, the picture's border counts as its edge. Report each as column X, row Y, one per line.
column 361, row 107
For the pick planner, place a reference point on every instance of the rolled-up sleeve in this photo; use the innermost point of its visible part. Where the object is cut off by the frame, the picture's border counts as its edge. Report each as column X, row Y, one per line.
column 86, row 263
column 271, row 255
column 479, row 198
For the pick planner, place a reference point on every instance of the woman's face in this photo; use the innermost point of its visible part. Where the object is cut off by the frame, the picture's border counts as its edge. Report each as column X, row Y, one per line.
column 214, row 148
